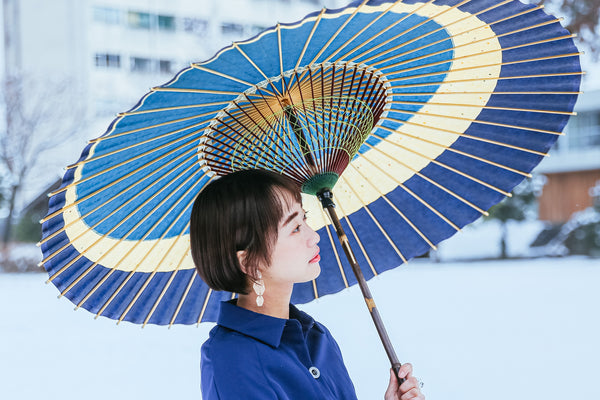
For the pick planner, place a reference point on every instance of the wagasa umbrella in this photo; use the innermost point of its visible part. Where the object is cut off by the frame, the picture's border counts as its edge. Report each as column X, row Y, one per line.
column 402, row 122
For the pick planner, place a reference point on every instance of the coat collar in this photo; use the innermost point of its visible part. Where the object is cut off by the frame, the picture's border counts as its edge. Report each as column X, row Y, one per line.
column 261, row 327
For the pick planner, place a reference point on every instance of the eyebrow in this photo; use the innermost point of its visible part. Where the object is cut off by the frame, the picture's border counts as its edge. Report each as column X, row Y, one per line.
column 290, row 218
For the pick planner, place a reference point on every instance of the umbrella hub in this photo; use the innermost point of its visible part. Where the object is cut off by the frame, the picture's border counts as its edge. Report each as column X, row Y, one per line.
column 307, row 124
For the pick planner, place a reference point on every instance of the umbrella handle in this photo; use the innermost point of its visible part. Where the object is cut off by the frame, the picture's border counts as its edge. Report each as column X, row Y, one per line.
column 326, row 199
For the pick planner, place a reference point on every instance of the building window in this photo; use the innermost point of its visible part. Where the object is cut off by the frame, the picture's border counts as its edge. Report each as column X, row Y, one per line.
column 584, row 130
column 166, row 22
column 107, row 15
column 230, row 28
column 256, row 29
column 165, row 66
column 195, row 25
column 139, row 20
column 140, row 64
column 105, row 60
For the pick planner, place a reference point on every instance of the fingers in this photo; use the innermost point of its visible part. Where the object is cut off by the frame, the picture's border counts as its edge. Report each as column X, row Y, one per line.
column 405, row 371
column 392, row 388
column 413, row 394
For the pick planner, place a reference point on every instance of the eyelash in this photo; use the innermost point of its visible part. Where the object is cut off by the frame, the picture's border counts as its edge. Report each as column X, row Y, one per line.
column 297, row 228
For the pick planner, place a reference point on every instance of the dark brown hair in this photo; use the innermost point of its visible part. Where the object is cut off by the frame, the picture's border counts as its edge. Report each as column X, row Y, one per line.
column 239, row 211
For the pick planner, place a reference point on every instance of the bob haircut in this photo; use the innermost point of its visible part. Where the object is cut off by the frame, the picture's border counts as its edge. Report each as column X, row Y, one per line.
column 240, row 211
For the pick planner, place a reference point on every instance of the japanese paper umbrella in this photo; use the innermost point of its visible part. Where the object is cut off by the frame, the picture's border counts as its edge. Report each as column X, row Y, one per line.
column 417, row 116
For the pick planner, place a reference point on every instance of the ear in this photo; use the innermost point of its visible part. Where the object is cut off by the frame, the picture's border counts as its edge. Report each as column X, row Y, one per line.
column 241, row 256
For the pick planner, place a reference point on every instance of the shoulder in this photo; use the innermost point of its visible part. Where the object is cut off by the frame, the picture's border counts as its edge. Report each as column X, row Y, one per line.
column 229, row 356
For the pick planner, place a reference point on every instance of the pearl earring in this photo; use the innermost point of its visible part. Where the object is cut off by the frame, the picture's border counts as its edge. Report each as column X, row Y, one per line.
column 259, row 289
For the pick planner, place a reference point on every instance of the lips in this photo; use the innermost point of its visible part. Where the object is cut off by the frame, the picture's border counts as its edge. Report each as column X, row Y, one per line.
column 316, row 258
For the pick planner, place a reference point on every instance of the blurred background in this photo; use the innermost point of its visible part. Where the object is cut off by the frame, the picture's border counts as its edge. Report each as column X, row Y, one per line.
column 68, row 66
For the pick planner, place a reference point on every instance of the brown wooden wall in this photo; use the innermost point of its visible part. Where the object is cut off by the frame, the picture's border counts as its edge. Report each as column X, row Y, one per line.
column 565, row 193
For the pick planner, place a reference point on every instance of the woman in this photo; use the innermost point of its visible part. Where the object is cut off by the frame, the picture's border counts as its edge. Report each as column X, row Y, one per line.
column 249, row 236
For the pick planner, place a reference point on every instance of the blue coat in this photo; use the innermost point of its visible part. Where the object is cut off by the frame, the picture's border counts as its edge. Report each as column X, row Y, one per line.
column 255, row 356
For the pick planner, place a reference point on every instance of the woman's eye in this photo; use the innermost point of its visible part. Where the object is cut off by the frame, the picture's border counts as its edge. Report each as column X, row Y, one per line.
column 296, row 229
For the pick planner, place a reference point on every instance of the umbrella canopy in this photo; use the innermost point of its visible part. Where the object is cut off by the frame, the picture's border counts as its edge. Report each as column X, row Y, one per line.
column 418, row 115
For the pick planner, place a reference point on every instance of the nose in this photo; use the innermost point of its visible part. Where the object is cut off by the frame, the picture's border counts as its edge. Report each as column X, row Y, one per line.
column 314, row 237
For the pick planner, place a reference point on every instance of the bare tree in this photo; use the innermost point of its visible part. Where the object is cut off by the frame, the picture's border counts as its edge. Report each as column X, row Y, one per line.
column 39, row 116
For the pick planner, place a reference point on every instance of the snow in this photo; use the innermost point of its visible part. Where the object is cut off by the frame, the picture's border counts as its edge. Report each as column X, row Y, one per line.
column 525, row 329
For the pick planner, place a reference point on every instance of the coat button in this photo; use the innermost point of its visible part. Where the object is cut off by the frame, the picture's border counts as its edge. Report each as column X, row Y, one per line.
column 314, row 371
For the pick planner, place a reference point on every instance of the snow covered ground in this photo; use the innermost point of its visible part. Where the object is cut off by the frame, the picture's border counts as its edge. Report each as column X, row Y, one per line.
column 526, row 329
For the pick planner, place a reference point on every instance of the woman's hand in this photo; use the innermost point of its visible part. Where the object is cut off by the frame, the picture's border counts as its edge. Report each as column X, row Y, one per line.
column 410, row 388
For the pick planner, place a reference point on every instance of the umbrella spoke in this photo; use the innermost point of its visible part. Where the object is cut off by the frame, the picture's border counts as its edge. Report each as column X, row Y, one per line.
column 336, row 33
column 226, row 76
column 476, row 121
column 165, row 109
column 146, row 253
column 210, row 292
column 118, row 225
column 162, row 167
column 335, row 252
column 459, row 134
column 485, row 107
column 190, row 90
column 184, row 296
column 194, row 135
column 237, row 47
column 375, row 221
column 148, row 127
column 358, row 241
column 453, row 36
column 426, row 178
column 446, row 148
column 308, row 40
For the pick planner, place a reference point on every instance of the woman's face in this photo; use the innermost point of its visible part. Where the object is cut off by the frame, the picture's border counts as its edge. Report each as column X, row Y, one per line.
column 295, row 257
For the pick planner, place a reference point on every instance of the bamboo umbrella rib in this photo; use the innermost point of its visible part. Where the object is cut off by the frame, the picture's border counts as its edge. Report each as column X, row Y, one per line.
column 399, row 35
column 472, row 120
column 460, row 134
column 162, row 135
column 181, row 301
column 226, row 76
column 310, row 36
column 235, row 46
column 122, row 285
column 172, row 108
column 454, row 60
column 116, row 181
column 388, row 28
column 483, row 107
column 333, row 36
column 314, row 285
column 357, row 34
column 409, row 222
column 150, row 276
column 360, row 245
column 468, row 155
column 436, row 73
column 431, row 160
column 450, row 37
column 412, row 194
column 124, row 237
column 462, row 153
column 97, row 191
column 210, row 291
column 335, row 252
column 419, row 174
column 366, row 208
column 96, row 157
column 435, row 42
column 190, row 90
column 149, row 279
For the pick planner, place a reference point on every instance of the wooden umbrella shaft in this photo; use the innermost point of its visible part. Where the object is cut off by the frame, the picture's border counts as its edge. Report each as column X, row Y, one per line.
column 326, row 199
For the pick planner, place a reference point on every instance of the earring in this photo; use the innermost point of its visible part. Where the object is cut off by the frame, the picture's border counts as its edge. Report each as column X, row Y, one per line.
column 259, row 289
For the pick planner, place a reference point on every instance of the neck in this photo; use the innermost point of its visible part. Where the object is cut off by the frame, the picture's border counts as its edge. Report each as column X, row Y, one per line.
column 276, row 301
